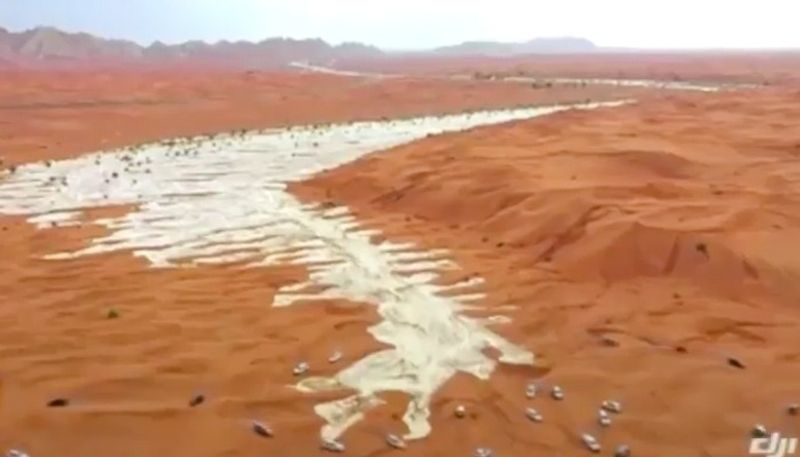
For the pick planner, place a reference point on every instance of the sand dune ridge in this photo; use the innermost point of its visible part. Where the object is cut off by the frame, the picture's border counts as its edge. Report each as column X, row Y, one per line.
column 218, row 201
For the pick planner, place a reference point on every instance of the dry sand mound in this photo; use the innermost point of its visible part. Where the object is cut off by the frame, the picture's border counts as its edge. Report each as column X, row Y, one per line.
column 48, row 115
column 750, row 67
column 643, row 245
column 223, row 201
column 642, row 255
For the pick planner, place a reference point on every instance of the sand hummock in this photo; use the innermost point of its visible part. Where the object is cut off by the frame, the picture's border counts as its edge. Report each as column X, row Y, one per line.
column 224, row 201
column 639, row 253
column 647, row 251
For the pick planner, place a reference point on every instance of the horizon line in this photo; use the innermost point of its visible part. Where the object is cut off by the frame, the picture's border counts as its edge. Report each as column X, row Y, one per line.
column 598, row 48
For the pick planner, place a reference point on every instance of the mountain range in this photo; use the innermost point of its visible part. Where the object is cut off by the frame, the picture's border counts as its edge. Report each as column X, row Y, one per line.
column 48, row 46
column 563, row 45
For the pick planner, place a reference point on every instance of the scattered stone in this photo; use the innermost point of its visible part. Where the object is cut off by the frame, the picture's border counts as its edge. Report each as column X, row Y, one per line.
column 333, row 446
column 702, row 248
column 609, row 342
column 395, row 441
column 335, row 357
column 557, row 393
column 58, row 403
column 530, row 390
column 793, row 409
column 533, row 415
column 16, row 453
column 735, row 363
column 300, row 369
column 623, row 450
column 460, row 411
column 112, row 314
column 197, row 400
column 262, row 430
column 484, row 452
column 612, row 406
column 603, row 418
column 759, row 431
column 590, row 442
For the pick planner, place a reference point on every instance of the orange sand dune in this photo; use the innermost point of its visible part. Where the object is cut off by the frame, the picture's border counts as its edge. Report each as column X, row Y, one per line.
column 128, row 346
column 179, row 333
column 46, row 115
column 644, row 245
column 773, row 67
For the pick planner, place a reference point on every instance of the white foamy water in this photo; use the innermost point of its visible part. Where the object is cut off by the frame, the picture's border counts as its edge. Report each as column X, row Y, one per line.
column 223, row 200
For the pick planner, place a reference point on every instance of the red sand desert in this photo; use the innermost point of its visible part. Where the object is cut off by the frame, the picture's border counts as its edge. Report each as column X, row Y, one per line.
column 49, row 115
column 640, row 252
column 778, row 67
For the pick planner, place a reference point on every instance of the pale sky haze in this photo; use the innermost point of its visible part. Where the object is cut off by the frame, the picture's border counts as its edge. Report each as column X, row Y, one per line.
column 415, row 24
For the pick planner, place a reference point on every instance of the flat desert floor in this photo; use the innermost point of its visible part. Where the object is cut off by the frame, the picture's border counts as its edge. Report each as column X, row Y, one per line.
column 741, row 67
column 50, row 116
column 643, row 253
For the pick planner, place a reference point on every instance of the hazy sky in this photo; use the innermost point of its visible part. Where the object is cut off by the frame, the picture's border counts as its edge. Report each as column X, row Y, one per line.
column 407, row 24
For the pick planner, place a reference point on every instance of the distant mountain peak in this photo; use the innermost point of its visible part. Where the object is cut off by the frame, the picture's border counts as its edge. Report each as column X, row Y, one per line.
column 545, row 45
column 49, row 45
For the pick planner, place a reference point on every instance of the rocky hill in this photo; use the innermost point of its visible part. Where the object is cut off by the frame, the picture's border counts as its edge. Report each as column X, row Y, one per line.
column 44, row 46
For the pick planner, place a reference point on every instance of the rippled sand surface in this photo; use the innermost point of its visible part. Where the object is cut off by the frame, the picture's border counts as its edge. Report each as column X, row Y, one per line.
column 221, row 204
column 640, row 253
column 649, row 250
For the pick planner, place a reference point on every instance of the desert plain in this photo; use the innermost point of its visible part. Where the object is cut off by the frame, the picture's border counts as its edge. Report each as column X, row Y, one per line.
column 645, row 253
